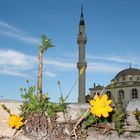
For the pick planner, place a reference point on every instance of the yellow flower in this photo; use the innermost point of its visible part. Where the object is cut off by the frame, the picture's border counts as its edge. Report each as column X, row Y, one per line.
column 18, row 124
column 101, row 106
column 135, row 113
column 12, row 120
column 82, row 70
column 15, row 121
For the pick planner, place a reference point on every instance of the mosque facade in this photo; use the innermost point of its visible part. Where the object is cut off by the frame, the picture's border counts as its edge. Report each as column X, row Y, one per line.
column 125, row 86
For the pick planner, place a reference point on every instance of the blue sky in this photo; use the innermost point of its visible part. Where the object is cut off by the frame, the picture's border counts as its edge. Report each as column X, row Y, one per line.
column 113, row 32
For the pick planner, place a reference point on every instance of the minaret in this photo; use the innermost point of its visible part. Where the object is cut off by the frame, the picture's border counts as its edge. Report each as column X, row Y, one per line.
column 81, row 40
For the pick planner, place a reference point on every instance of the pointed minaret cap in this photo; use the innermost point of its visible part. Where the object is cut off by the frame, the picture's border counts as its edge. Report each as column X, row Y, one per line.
column 82, row 11
column 129, row 65
column 82, row 17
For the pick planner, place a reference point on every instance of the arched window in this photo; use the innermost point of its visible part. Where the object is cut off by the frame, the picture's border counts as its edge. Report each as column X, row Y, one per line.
column 109, row 94
column 96, row 93
column 123, row 78
column 134, row 93
column 121, row 95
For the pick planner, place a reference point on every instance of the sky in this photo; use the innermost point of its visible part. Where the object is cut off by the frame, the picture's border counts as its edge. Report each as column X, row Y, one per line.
column 113, row 42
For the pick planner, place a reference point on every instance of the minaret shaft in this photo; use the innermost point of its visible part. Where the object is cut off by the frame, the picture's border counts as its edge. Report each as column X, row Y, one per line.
column 82, row 53
column 81, row 40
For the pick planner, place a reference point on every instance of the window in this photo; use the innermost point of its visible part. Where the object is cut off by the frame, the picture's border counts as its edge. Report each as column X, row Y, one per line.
column 94, row 93
column 134, row 93
column 138, row 78
column 109, row 94
column 121, row 95
column 130, row 78
column 123, row 78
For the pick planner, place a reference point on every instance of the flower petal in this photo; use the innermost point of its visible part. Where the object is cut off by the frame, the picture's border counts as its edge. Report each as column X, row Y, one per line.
column 11, row 124
column 97, row 98
column 105, row 114
column 20, row 118
column 104, row 98
column 109, row 109
column 98, row 113
column 92, row 102
column 18, row 124
column 109, row 102
column 92, row 110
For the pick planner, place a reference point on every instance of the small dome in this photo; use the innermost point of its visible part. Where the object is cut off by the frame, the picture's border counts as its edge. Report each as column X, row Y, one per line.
column 98, row 87
column 127, row 72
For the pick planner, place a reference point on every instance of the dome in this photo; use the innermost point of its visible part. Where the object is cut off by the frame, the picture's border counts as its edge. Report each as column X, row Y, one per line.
column 128, row 72
column 99, row 87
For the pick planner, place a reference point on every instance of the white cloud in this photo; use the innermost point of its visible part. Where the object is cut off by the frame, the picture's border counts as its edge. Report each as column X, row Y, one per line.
column 16, row 63
column 11, row 31
column 103, row 68
column 6, row 70
column 49, row 74
column 110, row 63
column 59, row 64
column 113, row 58
column 19, row 64
column 107, row 58
column 7, row 26
column 18, row 59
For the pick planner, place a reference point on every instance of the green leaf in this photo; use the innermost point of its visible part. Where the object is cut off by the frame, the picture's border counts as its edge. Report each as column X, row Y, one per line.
column 119, row 118
column 90, row 119
column 46, row 43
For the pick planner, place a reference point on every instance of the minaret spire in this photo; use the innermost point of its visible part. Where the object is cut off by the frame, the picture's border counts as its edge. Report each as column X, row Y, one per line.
column 82, row 17
column 130, row 65
column 82, row 11
column 82, row 64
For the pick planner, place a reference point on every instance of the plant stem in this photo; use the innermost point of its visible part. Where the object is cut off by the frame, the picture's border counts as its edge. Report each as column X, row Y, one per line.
column 71, row 89
column 79, row 121
column 40, row 69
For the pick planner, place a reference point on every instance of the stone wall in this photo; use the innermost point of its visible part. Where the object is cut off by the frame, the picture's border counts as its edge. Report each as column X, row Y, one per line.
column 74, row 112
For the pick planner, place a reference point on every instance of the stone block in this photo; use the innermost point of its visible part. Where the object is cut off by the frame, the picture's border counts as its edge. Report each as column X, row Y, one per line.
column 74, row 112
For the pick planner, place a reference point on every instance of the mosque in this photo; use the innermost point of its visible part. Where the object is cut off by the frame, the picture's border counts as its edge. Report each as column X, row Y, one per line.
column 125, row 85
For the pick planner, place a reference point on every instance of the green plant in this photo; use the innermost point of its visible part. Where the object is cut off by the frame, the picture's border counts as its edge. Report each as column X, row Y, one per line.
column 32, row 104
column 90, row 120
column 62, row 100
column 62, row 104
column 119, row 118
column 52, row 108
column 137, row 115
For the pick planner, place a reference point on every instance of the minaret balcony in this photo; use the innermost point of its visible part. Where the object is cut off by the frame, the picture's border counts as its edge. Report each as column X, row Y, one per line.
column 81, row 64
column 82, row 37
column 81, row 40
